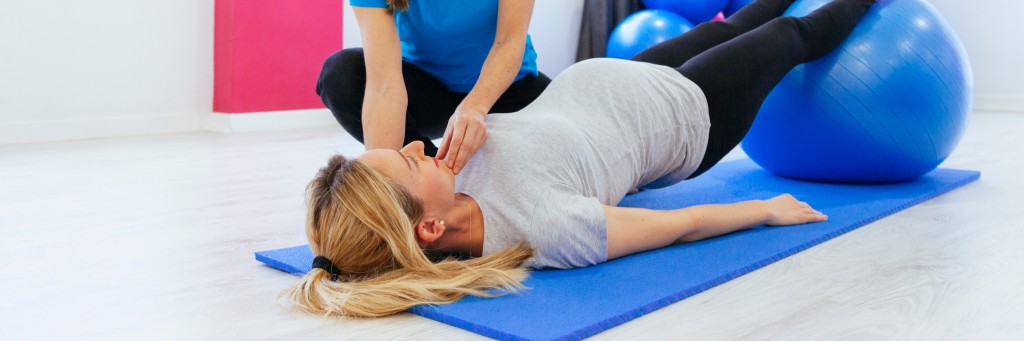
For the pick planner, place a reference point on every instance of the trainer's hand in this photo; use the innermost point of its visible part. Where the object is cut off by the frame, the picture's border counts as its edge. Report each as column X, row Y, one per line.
column 786, row 210
column 466, row 131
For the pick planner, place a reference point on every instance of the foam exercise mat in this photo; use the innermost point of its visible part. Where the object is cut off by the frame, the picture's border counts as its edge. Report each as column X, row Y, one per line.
column 573, row 304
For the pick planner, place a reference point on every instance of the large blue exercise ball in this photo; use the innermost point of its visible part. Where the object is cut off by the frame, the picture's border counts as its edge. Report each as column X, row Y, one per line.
column 697, row 11
column 644, row 29
column 734, row 6
column 888, row 105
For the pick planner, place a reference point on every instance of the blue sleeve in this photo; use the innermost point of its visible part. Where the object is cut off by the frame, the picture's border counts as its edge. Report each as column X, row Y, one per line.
column 370, row 3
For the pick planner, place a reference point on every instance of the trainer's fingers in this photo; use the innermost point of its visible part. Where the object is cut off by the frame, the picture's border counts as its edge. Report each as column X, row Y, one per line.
column 458, row 134
column 469, row 148
column 446, row 142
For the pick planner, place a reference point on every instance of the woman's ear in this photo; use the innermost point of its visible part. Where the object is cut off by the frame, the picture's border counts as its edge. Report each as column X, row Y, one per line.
column 430, row 230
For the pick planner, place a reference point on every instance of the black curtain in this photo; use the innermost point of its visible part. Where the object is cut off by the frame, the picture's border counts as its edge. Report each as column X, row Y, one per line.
column 599, row 20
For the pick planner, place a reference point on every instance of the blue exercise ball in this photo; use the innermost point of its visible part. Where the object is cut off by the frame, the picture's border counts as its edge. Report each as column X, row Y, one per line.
column 696, row 11
column 644, row 29
column 734, row 6
column 888, row 105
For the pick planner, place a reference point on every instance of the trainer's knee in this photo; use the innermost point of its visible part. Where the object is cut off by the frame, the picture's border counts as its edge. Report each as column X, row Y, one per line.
column 344, row 71
column 341, row 87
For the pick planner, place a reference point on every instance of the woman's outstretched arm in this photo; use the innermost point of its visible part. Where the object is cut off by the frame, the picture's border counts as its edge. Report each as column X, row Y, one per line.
column 632, row 230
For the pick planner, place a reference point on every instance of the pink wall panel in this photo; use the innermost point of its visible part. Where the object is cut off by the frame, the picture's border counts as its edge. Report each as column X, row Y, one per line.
column 268, row 53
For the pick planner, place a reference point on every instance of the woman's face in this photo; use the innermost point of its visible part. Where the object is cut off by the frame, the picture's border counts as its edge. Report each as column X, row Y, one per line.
column 427, row 179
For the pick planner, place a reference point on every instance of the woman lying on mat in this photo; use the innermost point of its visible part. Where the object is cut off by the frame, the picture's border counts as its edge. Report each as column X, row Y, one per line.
column 389, row 227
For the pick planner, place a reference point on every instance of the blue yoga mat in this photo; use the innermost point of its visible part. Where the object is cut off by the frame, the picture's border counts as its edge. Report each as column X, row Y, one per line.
column 573, row 304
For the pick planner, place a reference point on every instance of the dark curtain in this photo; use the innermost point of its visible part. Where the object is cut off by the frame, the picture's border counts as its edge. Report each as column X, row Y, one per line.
column 599, row 20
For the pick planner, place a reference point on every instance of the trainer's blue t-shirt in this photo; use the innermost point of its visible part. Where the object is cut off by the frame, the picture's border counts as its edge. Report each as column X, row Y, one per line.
column 450, row 39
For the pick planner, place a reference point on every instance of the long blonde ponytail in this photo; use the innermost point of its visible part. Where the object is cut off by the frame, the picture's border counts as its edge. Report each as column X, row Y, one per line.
column 363, row 223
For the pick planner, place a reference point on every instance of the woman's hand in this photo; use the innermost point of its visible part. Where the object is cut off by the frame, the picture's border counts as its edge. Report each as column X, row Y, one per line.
column 786, row 210
column 466, row 131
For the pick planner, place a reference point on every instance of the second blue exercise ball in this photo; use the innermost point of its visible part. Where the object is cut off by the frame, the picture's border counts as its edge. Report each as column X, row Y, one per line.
column 696, row 11
column 644, row 29
column 888, row 105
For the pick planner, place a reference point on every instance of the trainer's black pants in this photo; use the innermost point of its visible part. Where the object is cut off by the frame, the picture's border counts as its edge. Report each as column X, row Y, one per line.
column 342, row 84
column 738, row 62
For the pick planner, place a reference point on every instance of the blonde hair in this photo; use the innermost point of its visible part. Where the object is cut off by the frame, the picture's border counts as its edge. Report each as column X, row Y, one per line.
column 364, row 223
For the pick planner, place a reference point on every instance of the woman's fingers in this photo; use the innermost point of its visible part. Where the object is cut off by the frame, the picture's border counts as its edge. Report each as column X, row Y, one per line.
column 813, row 215
column 792, row 211
column 818, row 216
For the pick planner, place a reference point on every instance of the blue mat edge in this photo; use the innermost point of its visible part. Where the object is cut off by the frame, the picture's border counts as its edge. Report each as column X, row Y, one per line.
column 428, row 312
column 278, row 265
column 644, row 309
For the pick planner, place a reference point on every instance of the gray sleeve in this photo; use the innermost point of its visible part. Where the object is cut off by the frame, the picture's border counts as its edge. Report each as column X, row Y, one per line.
column 568, row 230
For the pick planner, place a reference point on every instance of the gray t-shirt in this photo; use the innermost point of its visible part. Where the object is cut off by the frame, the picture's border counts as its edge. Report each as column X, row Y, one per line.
column 600, row 129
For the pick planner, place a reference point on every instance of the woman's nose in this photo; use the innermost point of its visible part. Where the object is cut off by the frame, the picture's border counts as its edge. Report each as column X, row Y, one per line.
column 415, row 148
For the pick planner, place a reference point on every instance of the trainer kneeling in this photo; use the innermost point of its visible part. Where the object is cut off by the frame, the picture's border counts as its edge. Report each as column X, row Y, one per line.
column 432, row 68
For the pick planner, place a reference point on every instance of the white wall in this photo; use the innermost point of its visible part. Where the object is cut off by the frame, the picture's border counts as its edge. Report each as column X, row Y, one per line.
column 990, row 30
column 79, row 69
column 83, row 69
column 555, row 30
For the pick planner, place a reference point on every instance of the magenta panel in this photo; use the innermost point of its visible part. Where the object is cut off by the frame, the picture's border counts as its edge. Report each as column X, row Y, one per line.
column 268, row 53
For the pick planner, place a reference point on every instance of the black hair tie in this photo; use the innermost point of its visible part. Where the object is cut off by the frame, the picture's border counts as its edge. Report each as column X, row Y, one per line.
column 321, row 262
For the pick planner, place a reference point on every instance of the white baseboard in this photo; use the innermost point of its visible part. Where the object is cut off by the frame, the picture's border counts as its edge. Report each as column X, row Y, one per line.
column 999, row 103
column 96, row 127
column 117, row 126
column 264, row 121
column 178, row 122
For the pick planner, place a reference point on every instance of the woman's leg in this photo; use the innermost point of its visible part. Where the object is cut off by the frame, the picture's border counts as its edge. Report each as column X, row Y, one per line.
column 676, row 51
column 736, row 76
column 342, row 85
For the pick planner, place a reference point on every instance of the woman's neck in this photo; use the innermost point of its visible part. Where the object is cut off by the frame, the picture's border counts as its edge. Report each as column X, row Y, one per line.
column 465, row 228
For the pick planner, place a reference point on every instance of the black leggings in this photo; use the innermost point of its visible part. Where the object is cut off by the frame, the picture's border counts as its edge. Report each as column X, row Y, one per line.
column 342, row 84
column 738, row 62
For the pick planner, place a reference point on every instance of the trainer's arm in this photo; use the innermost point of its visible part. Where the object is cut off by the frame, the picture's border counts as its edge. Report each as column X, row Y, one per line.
column 632, row 230
column 386, row 100
column 505, row 57
column 467, row 129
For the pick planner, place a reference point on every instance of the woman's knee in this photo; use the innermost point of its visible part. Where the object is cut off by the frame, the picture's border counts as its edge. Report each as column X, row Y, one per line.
column 719, row 28
column 789, row 25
